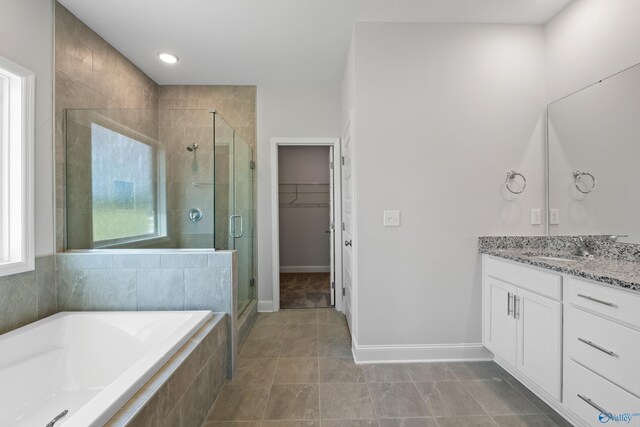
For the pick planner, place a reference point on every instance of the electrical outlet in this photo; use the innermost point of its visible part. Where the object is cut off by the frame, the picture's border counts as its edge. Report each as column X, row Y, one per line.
column 536, row 216
column 391, row 219
column 554, row 216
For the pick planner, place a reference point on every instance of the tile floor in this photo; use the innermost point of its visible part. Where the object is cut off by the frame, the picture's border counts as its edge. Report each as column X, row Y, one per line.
column 305, row 290
column 296, row 370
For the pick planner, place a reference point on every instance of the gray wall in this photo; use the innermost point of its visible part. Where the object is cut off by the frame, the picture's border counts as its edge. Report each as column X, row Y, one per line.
column 441, row 113
column 27, row 297
column 303, row 238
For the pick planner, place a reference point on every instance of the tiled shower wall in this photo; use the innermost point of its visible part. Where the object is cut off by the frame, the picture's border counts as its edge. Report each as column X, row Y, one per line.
column 27, row 297
column 90, row 73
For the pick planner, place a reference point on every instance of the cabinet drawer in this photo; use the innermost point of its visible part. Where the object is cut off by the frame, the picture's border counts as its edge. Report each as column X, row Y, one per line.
column 608, row 348
column 580, row 381
column 619, row 305
column 540, row 282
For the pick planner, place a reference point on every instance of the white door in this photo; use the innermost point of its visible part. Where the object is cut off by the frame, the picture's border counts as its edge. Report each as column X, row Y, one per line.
column 347, row 227
column 539, row 340
column 332, row 232
column 501, row 330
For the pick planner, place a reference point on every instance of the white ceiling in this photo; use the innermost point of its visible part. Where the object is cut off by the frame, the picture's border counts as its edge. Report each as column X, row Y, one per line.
column 270, row 41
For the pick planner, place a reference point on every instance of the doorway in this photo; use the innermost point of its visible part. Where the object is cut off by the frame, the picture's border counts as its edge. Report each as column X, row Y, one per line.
column 307, row 269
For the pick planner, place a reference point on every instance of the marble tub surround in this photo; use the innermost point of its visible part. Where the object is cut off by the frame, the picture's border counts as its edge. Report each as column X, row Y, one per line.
column 613, row 263
column 181, row 393
column 140, row 280
column 27, row 297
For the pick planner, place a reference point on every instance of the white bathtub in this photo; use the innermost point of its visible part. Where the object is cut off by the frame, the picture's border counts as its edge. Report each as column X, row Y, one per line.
column 89, row 363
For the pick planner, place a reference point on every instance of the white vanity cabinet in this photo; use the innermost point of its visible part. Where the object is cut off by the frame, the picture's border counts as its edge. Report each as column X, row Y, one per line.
column 574, row 342
column 523, row 321
column 602, row 351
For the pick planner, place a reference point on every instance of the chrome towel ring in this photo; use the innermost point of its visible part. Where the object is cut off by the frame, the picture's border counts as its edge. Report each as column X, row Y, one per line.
column 577, row 177
column 511, row 177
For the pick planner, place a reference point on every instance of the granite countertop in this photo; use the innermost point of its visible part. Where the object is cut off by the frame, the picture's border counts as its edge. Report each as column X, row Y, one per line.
column 606, row 268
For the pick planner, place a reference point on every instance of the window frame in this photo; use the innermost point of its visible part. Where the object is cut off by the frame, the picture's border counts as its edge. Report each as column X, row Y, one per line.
column 17, row 132
column 160, row 197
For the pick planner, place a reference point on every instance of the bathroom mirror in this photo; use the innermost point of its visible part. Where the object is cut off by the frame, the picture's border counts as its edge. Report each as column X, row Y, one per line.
column 593, row 154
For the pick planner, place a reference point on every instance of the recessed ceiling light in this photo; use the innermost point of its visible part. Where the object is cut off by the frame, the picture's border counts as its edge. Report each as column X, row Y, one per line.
column 169, row 58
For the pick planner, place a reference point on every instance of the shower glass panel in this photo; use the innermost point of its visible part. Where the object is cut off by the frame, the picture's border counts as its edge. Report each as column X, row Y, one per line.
column 235, row 205
column 179, row 179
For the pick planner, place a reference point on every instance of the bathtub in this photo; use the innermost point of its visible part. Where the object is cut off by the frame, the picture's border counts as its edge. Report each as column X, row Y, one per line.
column 86, row 363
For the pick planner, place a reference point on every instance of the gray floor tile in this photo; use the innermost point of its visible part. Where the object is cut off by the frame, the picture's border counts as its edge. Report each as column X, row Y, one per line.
column 334, row 347
column 333, row 330
column 466, row 422
column 448, row 398
column 497, row 397
column 430, row 372
column 299, row 347
column 392, row 400
column 408, row 422
column 254, row 371
column 331, row 316
column 281, row 423
column 277, row 318
column 240, row 402
column 340, row 370
column 350, row 423
column 345, row 401
column 477, row 371
column 231, row 424
column 296, row 370
column 267, row 331
column 293, row 402
column 524, row 421
column 298, row 317
column 304, row 330
column 261, row 348
column 559, row 420
column 381, row 373
column 530, row 396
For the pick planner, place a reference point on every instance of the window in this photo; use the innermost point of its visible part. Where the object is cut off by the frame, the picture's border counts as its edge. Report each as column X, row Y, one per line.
column 16, row 168
column 127, row 188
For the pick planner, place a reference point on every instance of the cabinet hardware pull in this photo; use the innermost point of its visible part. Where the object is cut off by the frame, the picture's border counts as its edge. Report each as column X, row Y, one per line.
column 508, row 303
column 596, row 346
column 594, row 404
column 610, row 304
column 516, row 307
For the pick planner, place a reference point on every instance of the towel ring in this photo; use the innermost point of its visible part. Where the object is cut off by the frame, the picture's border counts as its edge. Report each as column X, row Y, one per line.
column 511, row 176
column 577, row 177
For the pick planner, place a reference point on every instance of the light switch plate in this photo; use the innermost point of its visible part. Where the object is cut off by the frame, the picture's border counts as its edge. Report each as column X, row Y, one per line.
column 554, row 216
column 536, row 216
column 391, row 218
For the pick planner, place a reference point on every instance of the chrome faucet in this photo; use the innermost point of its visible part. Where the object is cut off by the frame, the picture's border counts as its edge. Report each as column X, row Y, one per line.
column 583, row 248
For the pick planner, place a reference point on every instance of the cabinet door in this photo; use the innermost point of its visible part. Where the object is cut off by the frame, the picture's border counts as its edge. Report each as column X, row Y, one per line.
column 500, row 326
column 539, row 340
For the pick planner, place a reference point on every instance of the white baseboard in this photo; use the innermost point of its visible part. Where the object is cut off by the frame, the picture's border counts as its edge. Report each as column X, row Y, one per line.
column 265, row 306
column 305, row 269
column 363, row 354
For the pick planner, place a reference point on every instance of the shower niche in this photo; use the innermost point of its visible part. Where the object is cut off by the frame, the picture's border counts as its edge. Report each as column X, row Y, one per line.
column 159, row 179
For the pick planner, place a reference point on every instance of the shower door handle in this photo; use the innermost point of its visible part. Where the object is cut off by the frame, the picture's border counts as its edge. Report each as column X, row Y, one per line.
column 232, row 226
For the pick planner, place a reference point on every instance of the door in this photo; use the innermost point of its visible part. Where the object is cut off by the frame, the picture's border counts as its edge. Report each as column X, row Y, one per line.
column 500, row 333
column 332, row 233
column 347, row 228
column 539, row 340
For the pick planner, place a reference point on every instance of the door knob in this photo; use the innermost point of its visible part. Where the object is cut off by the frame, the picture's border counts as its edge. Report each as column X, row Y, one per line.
column 348, row 243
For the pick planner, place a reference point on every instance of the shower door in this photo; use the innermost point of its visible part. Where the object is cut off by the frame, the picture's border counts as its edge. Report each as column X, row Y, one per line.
column 242, row 219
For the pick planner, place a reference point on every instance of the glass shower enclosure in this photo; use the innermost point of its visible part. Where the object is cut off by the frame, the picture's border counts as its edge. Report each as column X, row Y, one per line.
column 171, row 179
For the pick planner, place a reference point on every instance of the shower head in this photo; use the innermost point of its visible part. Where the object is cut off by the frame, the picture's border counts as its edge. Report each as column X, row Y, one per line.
column 192, row 147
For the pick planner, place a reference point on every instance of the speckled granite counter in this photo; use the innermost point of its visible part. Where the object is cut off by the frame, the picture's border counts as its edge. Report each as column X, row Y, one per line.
column 616, row 264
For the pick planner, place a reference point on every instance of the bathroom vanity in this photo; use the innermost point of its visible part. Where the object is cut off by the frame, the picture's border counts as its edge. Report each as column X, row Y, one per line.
column 566, row 326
